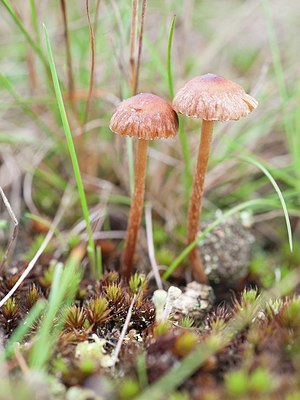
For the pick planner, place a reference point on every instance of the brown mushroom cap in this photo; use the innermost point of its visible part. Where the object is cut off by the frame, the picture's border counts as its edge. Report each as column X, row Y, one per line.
column 213, row 98
column 144, row 116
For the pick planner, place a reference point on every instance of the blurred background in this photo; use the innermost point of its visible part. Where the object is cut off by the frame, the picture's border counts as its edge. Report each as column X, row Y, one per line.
column 255, row 43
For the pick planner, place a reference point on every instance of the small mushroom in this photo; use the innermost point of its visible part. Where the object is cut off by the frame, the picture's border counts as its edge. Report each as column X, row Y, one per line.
column 144, row 117
column 211, row 98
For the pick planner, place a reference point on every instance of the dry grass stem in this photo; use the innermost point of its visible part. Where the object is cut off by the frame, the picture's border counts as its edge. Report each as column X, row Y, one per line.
column 15, row 229
column 150, row 244
column 60, row 213
column 123, row 332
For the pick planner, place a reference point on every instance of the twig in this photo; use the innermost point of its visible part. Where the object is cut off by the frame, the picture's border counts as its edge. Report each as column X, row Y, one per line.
column 48, row 237
column 123, row 333
column 15, row 230
column 150, row 244
column 138, row 66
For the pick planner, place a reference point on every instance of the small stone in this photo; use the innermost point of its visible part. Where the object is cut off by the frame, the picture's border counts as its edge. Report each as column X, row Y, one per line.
column 195, row 302
column 226, row 252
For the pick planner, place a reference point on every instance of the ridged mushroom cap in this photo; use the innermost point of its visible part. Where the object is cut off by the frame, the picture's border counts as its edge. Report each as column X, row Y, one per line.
column 144, row 116
column 213, row 98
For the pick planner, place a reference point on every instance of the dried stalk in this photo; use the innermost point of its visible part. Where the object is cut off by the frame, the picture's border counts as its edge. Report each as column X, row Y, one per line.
column 150, row 244
column 15, row 230
column 124, row 330
column 62, row 208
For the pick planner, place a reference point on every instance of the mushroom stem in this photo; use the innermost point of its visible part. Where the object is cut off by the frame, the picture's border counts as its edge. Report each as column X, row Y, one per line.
column 136, row 209
column 196, row 199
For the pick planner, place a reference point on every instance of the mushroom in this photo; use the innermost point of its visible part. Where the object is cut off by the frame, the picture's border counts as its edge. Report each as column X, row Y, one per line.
column 211, row 98
column 144, row 117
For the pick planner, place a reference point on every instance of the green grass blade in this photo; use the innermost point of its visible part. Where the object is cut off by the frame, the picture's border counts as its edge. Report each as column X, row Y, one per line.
column 46, row 223
column 187, row 159
column 156, row 60
column 32, row 114
column 130, row 153
column 182, row 136
column 218, row 221
column 51, row 177
column 43, row 344
column 30, row 40
column 280, row 195
column 141, row 368
column 23, row 328
column 63, row 289
column 280, row 173
column 278, row 69
column 292, row 134
column 178, row 374
column 99, row 267
column 7, row 138
column 119, row 199
column 71, row 147
column 35, row 21
column 170, row 41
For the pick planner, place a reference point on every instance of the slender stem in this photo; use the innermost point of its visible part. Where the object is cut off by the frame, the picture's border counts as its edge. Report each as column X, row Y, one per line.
column 135, row 214
column 196, row 199
column 34, row 17
column 169, row 64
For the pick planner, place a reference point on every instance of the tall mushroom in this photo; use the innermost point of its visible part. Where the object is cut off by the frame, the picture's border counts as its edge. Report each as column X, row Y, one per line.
column 211, row 98
column 144, row 117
